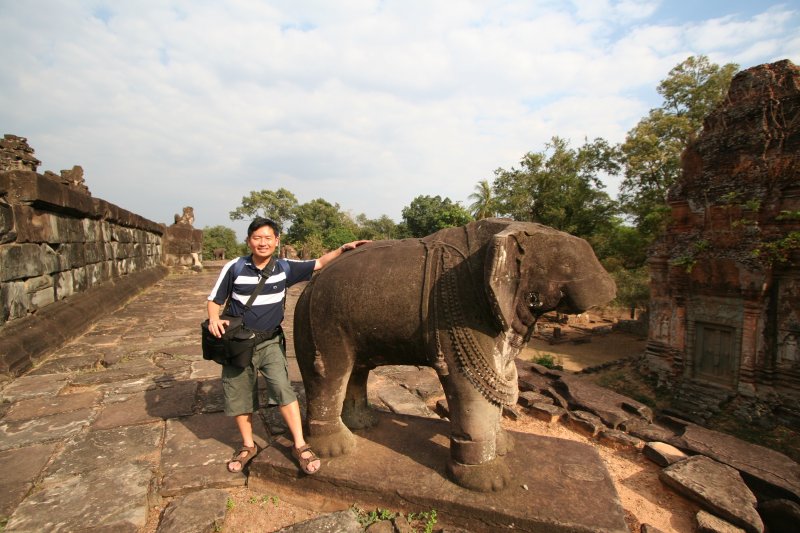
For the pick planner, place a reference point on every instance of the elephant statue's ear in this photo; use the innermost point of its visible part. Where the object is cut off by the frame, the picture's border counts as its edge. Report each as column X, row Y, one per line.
column 503, row 260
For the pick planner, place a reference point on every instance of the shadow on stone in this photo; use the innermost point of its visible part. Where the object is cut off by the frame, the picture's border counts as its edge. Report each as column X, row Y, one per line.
column 557, row 485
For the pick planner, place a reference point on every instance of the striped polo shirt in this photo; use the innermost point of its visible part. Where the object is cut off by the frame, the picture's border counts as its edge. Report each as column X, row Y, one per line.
column 239, row 278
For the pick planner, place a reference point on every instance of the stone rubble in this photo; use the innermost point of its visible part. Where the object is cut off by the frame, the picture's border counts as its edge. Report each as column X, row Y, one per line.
column 717, row 487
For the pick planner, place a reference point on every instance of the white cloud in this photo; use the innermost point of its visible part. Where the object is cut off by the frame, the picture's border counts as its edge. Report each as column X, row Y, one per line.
column 366, row 103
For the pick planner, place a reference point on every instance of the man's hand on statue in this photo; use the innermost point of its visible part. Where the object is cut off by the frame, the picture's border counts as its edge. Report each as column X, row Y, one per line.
column 354, row 244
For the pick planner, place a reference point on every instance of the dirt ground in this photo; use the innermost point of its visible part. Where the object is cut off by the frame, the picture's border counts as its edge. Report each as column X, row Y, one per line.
column 643, row 497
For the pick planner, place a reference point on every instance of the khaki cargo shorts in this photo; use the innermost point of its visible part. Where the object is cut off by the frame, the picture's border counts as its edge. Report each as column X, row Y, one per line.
column 240, row 385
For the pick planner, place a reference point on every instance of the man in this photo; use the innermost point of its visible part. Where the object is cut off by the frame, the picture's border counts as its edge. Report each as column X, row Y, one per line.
column 237, row 281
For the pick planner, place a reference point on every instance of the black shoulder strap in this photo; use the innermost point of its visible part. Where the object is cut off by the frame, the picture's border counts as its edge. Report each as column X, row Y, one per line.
column 263, row 275
column 262, row 279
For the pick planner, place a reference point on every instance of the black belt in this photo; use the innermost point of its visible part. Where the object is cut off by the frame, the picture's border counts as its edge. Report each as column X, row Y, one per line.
column 262, row 336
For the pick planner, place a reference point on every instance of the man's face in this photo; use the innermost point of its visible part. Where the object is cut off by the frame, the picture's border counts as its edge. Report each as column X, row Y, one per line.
column 262, row 242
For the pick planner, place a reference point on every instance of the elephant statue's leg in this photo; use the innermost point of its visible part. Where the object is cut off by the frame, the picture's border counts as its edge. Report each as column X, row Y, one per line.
column 475, row 460
column 356, row 412
column 326, row 381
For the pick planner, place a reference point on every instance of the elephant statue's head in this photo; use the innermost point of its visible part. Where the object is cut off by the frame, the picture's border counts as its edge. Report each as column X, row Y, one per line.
column 532, row 269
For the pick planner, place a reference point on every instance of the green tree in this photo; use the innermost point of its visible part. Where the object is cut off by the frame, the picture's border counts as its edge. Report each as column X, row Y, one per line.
column 633, row 288
column 483, row 201
column 376, row 229
column 429, row 214
column 221, row 237
column 652, row 150
column 560, row 187
column 323, row 220
column 278, row 205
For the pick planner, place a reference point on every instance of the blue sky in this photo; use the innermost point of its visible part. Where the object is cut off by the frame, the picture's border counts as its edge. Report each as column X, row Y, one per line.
column 365, row 103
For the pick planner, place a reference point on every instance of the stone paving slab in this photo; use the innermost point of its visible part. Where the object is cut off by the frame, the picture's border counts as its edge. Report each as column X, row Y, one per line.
column 115, row 497
column 68, row 364
column 204, row 439
column 181, row 481
column 104, row 448
column 44, row 429
column 717, row 487
column 149, row 406
column 201, row 511
column 557, row 485
column 119, row 372
column 210, row 396
column 768, row 468
column 195, row 350
column 205, row 369
column 51, row 405
column 20, row 467
column 29, row 386
column 196, row 450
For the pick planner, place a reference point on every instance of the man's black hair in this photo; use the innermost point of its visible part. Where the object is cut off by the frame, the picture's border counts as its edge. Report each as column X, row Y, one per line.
column 260, row 222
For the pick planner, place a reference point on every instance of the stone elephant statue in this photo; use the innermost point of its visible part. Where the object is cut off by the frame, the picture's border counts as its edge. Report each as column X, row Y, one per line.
column 463, row 301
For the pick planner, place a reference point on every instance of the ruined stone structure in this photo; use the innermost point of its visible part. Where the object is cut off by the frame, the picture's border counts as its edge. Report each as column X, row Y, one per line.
column 65, row 257
column 183, row 245
column 725, row 303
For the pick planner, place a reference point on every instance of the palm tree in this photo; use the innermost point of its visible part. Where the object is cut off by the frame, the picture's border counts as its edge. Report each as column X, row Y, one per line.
column 482, row 201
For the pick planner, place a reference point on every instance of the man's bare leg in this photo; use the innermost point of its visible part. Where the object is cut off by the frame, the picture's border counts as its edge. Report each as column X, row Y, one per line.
column 245, row 425
column 291, row 414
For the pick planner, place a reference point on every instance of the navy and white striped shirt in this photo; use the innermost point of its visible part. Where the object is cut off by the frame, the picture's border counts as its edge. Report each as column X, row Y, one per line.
column 266, row 313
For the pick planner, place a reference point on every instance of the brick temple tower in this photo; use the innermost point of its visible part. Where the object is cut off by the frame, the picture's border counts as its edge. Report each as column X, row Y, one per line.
column 725, row 277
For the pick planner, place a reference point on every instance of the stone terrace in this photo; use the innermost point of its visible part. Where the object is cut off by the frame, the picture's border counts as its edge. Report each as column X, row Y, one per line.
column 127, row 418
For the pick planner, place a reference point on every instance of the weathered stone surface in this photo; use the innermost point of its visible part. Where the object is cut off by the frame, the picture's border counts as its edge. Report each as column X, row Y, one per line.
column 199, row 512
column 68, row 364
column 51, row 405
column 767, row 470
column 16, row 154
column 398, row 468
column 511, row 412
column 663, row 454
column 154, row 404
column 116, row 495
column 27, row 387
column 338, row 522
column 204, row 440
column 780, row 516
column 441, row 408
column 716, row 487
column 99, row 449
column 44, row 429
column 20, row 467
column 584, row 423
column 557, row 398
column 614, row 409
column 419, row 380
column 210, row 396
column 528, row 398
column 7, row 231
column 649, row 432
column 118, row 374
column 22, row 261
column 647, row 528
column 547, row 412
column 403, row 402
column 180, row 481
column 708, row 523
column 614, row 438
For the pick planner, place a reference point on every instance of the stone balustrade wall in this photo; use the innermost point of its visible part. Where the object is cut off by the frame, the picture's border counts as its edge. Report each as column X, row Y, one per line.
column 65, row 258
column 55, row 242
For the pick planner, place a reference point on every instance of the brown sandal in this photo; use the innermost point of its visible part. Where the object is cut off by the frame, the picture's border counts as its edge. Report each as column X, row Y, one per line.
column 305, row 461
column 250, row 452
